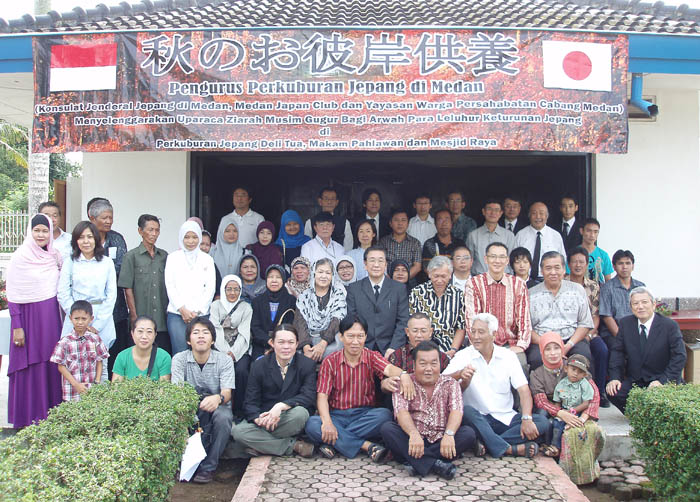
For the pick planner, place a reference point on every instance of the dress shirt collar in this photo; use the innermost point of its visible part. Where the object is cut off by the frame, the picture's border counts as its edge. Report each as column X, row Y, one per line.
column 142, row 250
column 190, row 357
column 428, row 218
column 76, row 337
column 534, row 230
column 512, row 222
column 364, row 357
column 320, row 241
column 570, row 222
column 82, row 258
column 490, row 280
column 380, row 283
column 646, row 324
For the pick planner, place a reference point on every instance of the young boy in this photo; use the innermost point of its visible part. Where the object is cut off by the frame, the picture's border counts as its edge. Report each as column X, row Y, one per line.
column 79, row 355
column 574, row 393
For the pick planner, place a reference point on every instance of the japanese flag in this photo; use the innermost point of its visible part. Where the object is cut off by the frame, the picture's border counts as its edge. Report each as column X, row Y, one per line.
column 577, row 65
column 88, row 67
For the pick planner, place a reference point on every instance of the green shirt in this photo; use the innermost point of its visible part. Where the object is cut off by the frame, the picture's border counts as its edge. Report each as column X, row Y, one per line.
column 125, row 366
column 145, row 276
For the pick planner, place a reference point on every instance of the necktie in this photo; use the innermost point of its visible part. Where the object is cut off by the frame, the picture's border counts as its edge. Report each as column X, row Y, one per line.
column 565, row 228
column 376, row 293
column 535, row 269
column 510, row 227
column 643, row 336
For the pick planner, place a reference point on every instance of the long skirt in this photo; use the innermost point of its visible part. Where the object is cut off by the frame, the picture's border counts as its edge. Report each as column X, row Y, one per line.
column 580, row 448
column 35, row 383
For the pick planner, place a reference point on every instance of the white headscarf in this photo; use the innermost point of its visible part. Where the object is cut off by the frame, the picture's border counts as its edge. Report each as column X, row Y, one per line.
column 354, row 269
column 222, row 291
column 318, row 320
column 190, row 256
column 227, row 255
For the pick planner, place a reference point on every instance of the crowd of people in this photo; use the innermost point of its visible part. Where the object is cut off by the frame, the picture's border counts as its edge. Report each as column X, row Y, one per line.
column 413, row 338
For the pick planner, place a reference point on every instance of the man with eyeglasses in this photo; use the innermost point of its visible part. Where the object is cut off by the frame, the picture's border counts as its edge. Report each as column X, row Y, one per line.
column 328, row 200
column 143, row 279
column 461, row 267
column 487, row 233
column 323, row 246
column 504, row 296
column 380, row 301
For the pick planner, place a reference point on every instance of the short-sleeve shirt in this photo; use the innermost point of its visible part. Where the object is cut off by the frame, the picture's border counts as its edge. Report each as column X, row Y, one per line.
column 599, row 265
column 462, row 227
column 145, row 276
column 561, row 313
column 571, row 394
column 217, row 373
column 350, row 387
column 408, row 249
column 434, row 247
column 615, row 298
column 125, row 366
column 592, row 289
column 80, row 355
column 446, row 313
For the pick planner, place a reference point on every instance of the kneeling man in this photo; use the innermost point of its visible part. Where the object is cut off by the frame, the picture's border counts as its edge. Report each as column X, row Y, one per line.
column 346, row 417
column 486, row 373
column 281, row 390
column 428, row 434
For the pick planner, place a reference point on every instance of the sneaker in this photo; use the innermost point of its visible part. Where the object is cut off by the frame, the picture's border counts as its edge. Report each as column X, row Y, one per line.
column 203, row 477
column 303, row 449
column 446, row 470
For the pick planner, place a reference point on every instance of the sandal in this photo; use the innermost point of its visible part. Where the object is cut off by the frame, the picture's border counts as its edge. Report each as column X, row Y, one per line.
column 326, row 451
column 530, row 449
column 550, row 451
column 377, row 453
column 479, row 449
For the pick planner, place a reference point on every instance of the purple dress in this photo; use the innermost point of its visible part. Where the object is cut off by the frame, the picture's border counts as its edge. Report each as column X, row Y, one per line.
column 35, row 383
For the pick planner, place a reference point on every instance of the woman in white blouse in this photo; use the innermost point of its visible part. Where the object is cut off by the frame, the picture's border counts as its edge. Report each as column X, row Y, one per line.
column 89, row 275
column 190, row 279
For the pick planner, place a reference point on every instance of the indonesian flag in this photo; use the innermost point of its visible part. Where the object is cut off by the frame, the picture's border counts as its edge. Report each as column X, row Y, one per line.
column 90, row 67
column 577, row 65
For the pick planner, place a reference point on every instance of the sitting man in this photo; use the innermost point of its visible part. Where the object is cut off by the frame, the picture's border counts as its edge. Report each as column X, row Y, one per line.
column 429, row 433
column 210, row 372
column 648, row 350
column 281, row 391
column 560, row 306
column 418, row 329
column 347, row 418
column 486, row 373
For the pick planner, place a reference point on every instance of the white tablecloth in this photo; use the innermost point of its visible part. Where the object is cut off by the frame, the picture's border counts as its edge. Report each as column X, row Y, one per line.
column 4, row 331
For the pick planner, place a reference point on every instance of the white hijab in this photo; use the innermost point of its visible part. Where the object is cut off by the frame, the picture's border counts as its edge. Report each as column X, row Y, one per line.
column 222, row 291
column 190, row 256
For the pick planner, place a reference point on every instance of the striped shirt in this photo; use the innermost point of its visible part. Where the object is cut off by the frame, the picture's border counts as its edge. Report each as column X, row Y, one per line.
column 347, row 386
column 80, row 355
column 216, row 375
column 446, row 312
column 506, row 299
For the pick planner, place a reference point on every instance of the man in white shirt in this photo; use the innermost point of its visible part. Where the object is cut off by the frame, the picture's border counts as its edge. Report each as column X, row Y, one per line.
column 461, row 267
column 61, row 239
column 486, row 374
column 538, row 238
column 246, row 219
column 422, row 225
column 328, row 200
column 322, row 246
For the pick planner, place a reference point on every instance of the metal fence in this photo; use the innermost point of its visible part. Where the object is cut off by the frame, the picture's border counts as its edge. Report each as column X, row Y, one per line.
column 13, row 226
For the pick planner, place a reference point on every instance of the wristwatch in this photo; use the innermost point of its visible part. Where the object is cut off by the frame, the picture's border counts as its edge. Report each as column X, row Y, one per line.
column 222, row 398
column 449, row 432
column 526, row 417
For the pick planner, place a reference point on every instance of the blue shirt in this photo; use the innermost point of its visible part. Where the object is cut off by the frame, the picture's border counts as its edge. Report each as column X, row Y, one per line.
column 599, row 265
column 615, row 300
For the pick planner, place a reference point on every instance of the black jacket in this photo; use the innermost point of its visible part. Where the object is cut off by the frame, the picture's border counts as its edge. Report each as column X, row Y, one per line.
column 574, row 237
column 261, row 325
column 266, row 387
column 663, row 358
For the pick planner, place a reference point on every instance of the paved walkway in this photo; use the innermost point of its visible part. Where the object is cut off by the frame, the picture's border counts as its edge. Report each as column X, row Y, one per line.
column 359, row 480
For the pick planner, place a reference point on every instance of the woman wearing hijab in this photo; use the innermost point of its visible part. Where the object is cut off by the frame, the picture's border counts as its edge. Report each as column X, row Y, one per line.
column 190, row 280
column 319, row 312
column 399, row 271
column 346, row 269
column 291, row 237
column 583, row 441
column 365, row 236
column 299, row 278
column 248, row 271
column 228, row 251
column 89, row 275
column 32, row 282
column 265, row 250
column 231, row 317
column 272, row 308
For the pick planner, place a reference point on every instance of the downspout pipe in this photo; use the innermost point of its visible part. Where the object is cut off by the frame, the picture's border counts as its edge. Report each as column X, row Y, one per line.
column 636, row 97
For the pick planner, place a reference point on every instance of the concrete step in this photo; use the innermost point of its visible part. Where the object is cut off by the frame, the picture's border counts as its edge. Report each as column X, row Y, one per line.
column 618, row 443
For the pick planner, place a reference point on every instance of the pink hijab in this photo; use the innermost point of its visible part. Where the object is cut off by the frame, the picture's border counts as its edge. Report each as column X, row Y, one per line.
column 546, row 339
column 32, row 275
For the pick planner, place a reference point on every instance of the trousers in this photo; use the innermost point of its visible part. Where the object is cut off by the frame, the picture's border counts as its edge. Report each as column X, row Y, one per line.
column 279, row 442
column 354, row 425
column 217, row 429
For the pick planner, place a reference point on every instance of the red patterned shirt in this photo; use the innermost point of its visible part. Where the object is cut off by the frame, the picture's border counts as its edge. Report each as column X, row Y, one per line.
column 403, row 358
column 347, row 386
column 506, row 299
column 430, row 414
column 79, row 354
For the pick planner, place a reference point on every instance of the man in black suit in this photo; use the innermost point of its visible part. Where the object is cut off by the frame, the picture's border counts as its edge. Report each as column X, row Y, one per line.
column 569, row 226
column 371, row 204
column 648, row 350
column 381, row 302
column 281, row 391
column 511, row 215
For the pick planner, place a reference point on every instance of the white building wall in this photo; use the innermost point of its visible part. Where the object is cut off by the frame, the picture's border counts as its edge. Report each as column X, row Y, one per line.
column 137, row 183
column 648, row 201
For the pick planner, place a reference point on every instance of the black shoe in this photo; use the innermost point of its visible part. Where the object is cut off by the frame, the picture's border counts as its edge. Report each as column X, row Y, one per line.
column 445, row 470
column 604, row 402
column 203, row 478
column 411, row 470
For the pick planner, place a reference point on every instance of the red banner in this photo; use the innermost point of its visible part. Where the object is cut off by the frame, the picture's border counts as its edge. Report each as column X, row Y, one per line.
column 263, row 90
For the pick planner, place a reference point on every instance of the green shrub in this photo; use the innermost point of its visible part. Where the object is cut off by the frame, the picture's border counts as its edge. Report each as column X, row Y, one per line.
column 120, row 442
column 666, row 425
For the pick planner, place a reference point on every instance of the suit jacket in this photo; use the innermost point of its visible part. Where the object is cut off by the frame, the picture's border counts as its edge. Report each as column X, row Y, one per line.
column 386, row 318
column 574, row 237
column 261, row 325
column 521, row 223
column 266, row 387
column 663, row 358
column 384, row 228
